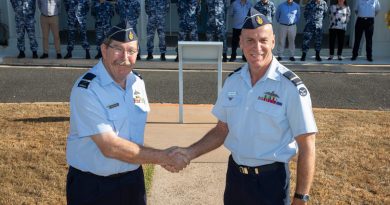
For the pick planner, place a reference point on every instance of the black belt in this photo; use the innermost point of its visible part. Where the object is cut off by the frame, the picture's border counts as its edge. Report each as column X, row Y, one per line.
column 256, row 170
column 91, row 174
column 366, row 18
column 288, row 24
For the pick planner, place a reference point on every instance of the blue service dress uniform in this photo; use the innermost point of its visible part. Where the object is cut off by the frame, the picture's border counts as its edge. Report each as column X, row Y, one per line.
column 263, row 121
column 99, row 105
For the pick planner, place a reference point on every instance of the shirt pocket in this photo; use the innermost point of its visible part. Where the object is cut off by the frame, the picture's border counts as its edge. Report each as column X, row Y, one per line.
column 118, row 118
column 271, row 112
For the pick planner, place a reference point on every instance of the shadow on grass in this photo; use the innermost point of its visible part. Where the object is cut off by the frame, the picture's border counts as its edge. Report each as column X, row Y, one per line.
column 43, row 119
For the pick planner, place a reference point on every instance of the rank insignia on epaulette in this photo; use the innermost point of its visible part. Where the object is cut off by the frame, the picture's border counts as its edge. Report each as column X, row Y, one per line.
column 85, row 80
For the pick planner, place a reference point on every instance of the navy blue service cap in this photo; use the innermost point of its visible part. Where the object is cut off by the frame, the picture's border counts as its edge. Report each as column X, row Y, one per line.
column 254, row 19
column 122, row 32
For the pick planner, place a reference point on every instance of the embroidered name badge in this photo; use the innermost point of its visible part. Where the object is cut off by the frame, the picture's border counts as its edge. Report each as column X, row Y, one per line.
column 231, row 95
column 270, row 97
column 113, row 105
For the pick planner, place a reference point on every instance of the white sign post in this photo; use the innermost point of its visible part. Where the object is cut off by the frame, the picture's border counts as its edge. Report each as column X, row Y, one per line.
column 198, row 52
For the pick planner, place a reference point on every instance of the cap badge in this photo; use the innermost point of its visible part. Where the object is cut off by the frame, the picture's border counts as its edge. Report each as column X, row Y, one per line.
column 259, row 20
column 131, row 35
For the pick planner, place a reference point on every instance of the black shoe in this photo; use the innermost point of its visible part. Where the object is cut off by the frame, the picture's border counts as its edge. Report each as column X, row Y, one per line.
column 303, row 57
column 98, row 55
column 339, row 58
column 150, row 56
column 330, row 58
column 279, row 58
column 318, row 57
column 68, row 55
column 35, row 54
column 353, row 58
column 370, row 59
column 243, row 58
column 44, row 55
column 162, row 57
column 138, row 56
column 87, row 55
column 224, row 57
column 177, row 58
column 21, row 54
column 59, row 56
column 232, row 58
column 292, row 58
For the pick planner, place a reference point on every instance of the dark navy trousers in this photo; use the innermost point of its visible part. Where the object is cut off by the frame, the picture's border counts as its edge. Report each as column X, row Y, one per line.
column 271, row 186
column 84, row 188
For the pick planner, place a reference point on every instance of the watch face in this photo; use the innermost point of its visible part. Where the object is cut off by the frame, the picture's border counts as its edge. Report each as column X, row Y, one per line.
column 305, row 197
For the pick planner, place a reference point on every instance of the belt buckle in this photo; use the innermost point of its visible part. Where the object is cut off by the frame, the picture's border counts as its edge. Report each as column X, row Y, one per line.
column 243, row 170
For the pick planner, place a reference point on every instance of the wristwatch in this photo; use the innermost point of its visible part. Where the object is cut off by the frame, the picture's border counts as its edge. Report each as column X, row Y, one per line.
column 303, row 197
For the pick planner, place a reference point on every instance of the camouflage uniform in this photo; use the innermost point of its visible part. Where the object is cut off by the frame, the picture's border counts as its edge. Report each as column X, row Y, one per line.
column 267, row 9
column 188, row 10
column 129, row 11
column 77, row 14
column 103, row 12
column 156, row 11
column 216, row 29
column 314, row 14
column 25, row 21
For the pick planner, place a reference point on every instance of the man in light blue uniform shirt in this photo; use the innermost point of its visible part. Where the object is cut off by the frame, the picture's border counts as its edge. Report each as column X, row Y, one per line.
column 264, row 115
column 238, row 11
column 366, row 10
column 287, row 15
column 108, row 113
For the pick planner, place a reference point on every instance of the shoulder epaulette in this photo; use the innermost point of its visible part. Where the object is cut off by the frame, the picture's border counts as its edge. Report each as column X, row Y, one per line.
column 235, row 71
column 137, row 74
column 85, row 80
column 293, row 78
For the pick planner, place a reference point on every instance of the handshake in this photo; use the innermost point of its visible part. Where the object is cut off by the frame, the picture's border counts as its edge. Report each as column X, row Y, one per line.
column 176, row 159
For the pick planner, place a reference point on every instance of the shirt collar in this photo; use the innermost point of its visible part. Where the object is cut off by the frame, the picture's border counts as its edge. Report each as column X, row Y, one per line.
column 270, row 74
column 105, row 77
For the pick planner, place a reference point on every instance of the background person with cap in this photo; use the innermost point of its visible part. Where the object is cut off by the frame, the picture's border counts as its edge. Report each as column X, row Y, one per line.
column 109, row 107
column 264, row 115
column 366, row 10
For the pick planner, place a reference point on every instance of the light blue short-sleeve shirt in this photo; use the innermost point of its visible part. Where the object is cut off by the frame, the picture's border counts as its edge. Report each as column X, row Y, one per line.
column 264, row 119
column 103, row 106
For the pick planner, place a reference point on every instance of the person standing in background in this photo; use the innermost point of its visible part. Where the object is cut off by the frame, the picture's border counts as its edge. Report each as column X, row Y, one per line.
column 103, row 11
column 366, row 10
column 267, row 8
column 287, row 15
column 188, row 11
column 25, row 22
column 77, row 14
column 339, row 17
column 156, row 11
column 216, row 29
column 129, row 11
column 238, row 12
column 314, row 14
column 49, row 22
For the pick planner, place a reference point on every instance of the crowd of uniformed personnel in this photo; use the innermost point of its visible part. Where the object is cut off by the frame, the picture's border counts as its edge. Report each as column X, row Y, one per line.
column 286, row 15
